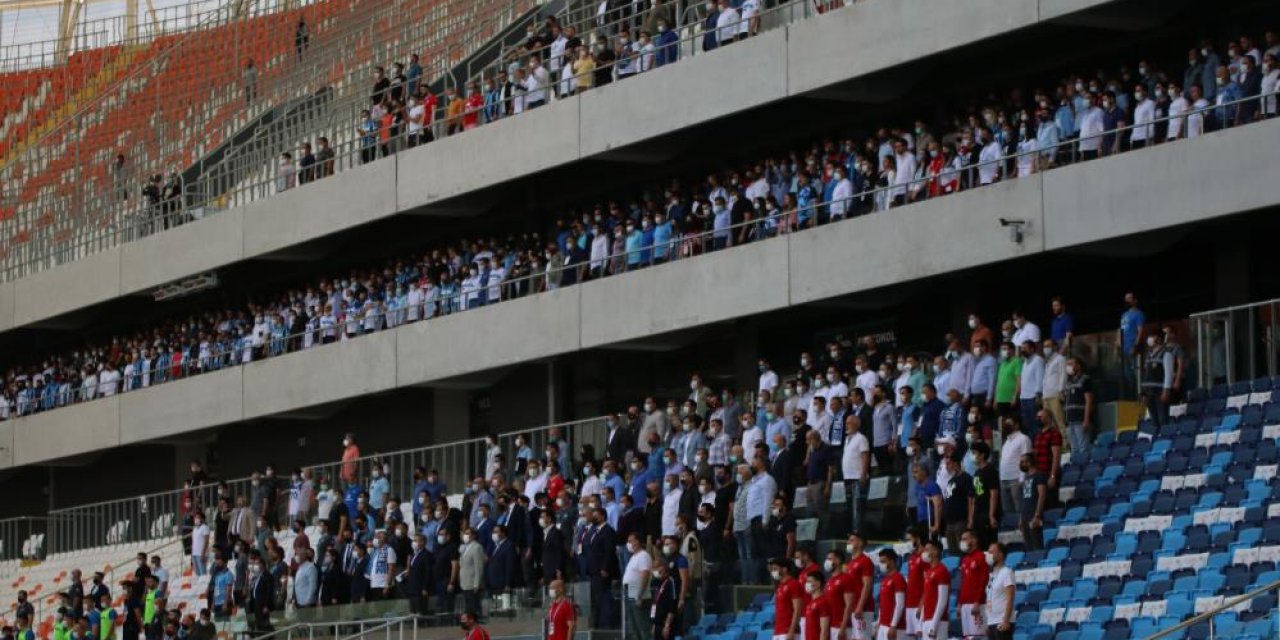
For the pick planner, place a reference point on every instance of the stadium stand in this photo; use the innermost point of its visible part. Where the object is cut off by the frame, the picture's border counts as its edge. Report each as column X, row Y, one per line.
column 149, row 104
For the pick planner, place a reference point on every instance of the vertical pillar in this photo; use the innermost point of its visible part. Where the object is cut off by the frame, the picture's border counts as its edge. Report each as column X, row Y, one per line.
column 746, row 354
column 553, row 393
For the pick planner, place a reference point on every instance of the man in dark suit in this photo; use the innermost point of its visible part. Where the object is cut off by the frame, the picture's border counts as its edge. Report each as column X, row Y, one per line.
column 783, row 470
column 502, row 568
column 261, row 598
column 333, row 584
column 518, row 529
column 863, row 410
column 602, row 567
column 553, row 550
column 357, row 567
column 417, row 575
column 621, row 440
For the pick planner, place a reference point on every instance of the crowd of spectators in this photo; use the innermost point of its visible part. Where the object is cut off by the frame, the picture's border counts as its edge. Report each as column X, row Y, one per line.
column 93, row 615
column 829, row 180
column 700, row 490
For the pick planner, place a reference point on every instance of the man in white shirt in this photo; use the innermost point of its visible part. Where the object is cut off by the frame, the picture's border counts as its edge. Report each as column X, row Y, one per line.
column 1144, row 114
column 108, row 381
column 1024, row 330
column 672, row 492
column 1195, row 120
column 537, row 481
column 1178, row 107
column 855, row 465
column 557, row 50
column 199, row 544
column 1016, row 444
column 417, row 116
column 1055, row 378
column 835, row 387
column 867, row 377
column 727, row 24
column 750, row 23
column 820, row 418
column 905, row 167
column 535, row 83
column 1092, row 126
column 768, row 379
column 841, row 195
column 635, row 578
column 382, row 565
column 989, row 168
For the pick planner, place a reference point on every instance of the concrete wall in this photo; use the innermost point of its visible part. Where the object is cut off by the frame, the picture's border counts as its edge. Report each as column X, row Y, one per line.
column 869, row 36
column 1159, row 187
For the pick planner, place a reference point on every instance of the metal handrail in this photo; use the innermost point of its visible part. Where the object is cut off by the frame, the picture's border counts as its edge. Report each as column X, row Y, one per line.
column 377, row 624
column 116, row 219
column 456, row 301
column 1209, row 615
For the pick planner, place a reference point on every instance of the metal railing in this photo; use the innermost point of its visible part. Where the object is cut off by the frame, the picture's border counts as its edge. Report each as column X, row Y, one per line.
column 1237, row 343
column 44, row 233
column 447, row 298
column 22, row 538
column 1211, row 615
column 387, row 628
column 140, row 518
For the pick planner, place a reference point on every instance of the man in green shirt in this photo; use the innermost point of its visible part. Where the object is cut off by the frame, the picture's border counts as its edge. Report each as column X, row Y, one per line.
column 1007, row 377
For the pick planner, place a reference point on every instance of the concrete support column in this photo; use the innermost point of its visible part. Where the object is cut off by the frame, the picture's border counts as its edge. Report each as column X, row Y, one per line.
column 450, row 415
column 746, row 355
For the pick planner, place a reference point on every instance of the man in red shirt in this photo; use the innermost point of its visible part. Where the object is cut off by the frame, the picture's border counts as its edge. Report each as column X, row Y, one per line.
column 429, row 104
column 470, row 623
column 806, row 567
column 817, row 611
column 862, row 619
column 1047, row 449
column 915, row 580
column 937, row 592
column 973, row 585
column 561, row 618
column 788, row 600
column 893, row 598
column 840, row 591
column 475, row 103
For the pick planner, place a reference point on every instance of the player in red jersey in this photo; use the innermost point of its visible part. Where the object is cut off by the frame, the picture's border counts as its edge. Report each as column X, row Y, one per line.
column 840, row 590
column 937, row 591
column 915, row 580
column 862, row 620
column 974, row 574
column 806, row 564
column 893, row 598
column 817, row 611
column 788, row 600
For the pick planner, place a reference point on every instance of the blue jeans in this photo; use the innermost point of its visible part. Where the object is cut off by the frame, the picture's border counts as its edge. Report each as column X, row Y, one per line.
column 1078, row 438
column 198, row 563
column 746, row 557
column 1027, row 407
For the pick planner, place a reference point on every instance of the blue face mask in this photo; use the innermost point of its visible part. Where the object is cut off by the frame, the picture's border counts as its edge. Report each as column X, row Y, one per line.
column 742, row 478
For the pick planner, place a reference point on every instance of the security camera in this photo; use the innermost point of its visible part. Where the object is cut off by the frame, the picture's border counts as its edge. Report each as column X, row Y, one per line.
column 1015, row 226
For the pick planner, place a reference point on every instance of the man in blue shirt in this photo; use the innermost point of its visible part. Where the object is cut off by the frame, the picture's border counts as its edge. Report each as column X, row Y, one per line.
column 641, row 476
column 930, row 415
column 1128, row 339
column 1063, row 327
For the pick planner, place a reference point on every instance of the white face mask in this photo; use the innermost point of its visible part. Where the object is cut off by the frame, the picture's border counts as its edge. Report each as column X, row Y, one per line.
column 811, row 587
column 990, row 558
column 927, row 556
column 942, row 450
column 553, row 592
column 799, row 564
column 828, row 565
column 849, row 549
column 1151, row 341
column 964, row 546
column 775, row 574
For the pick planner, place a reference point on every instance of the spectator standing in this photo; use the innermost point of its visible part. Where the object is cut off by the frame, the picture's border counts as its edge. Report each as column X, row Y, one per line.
column 1079, row 402
column 1000, row 595
column 561, row 617
column 1035, row 494
column 1055, row 379
column 974, row 576
column 935, row 597
column 471, row 568
column 1157, row 378
column 1030, row 383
